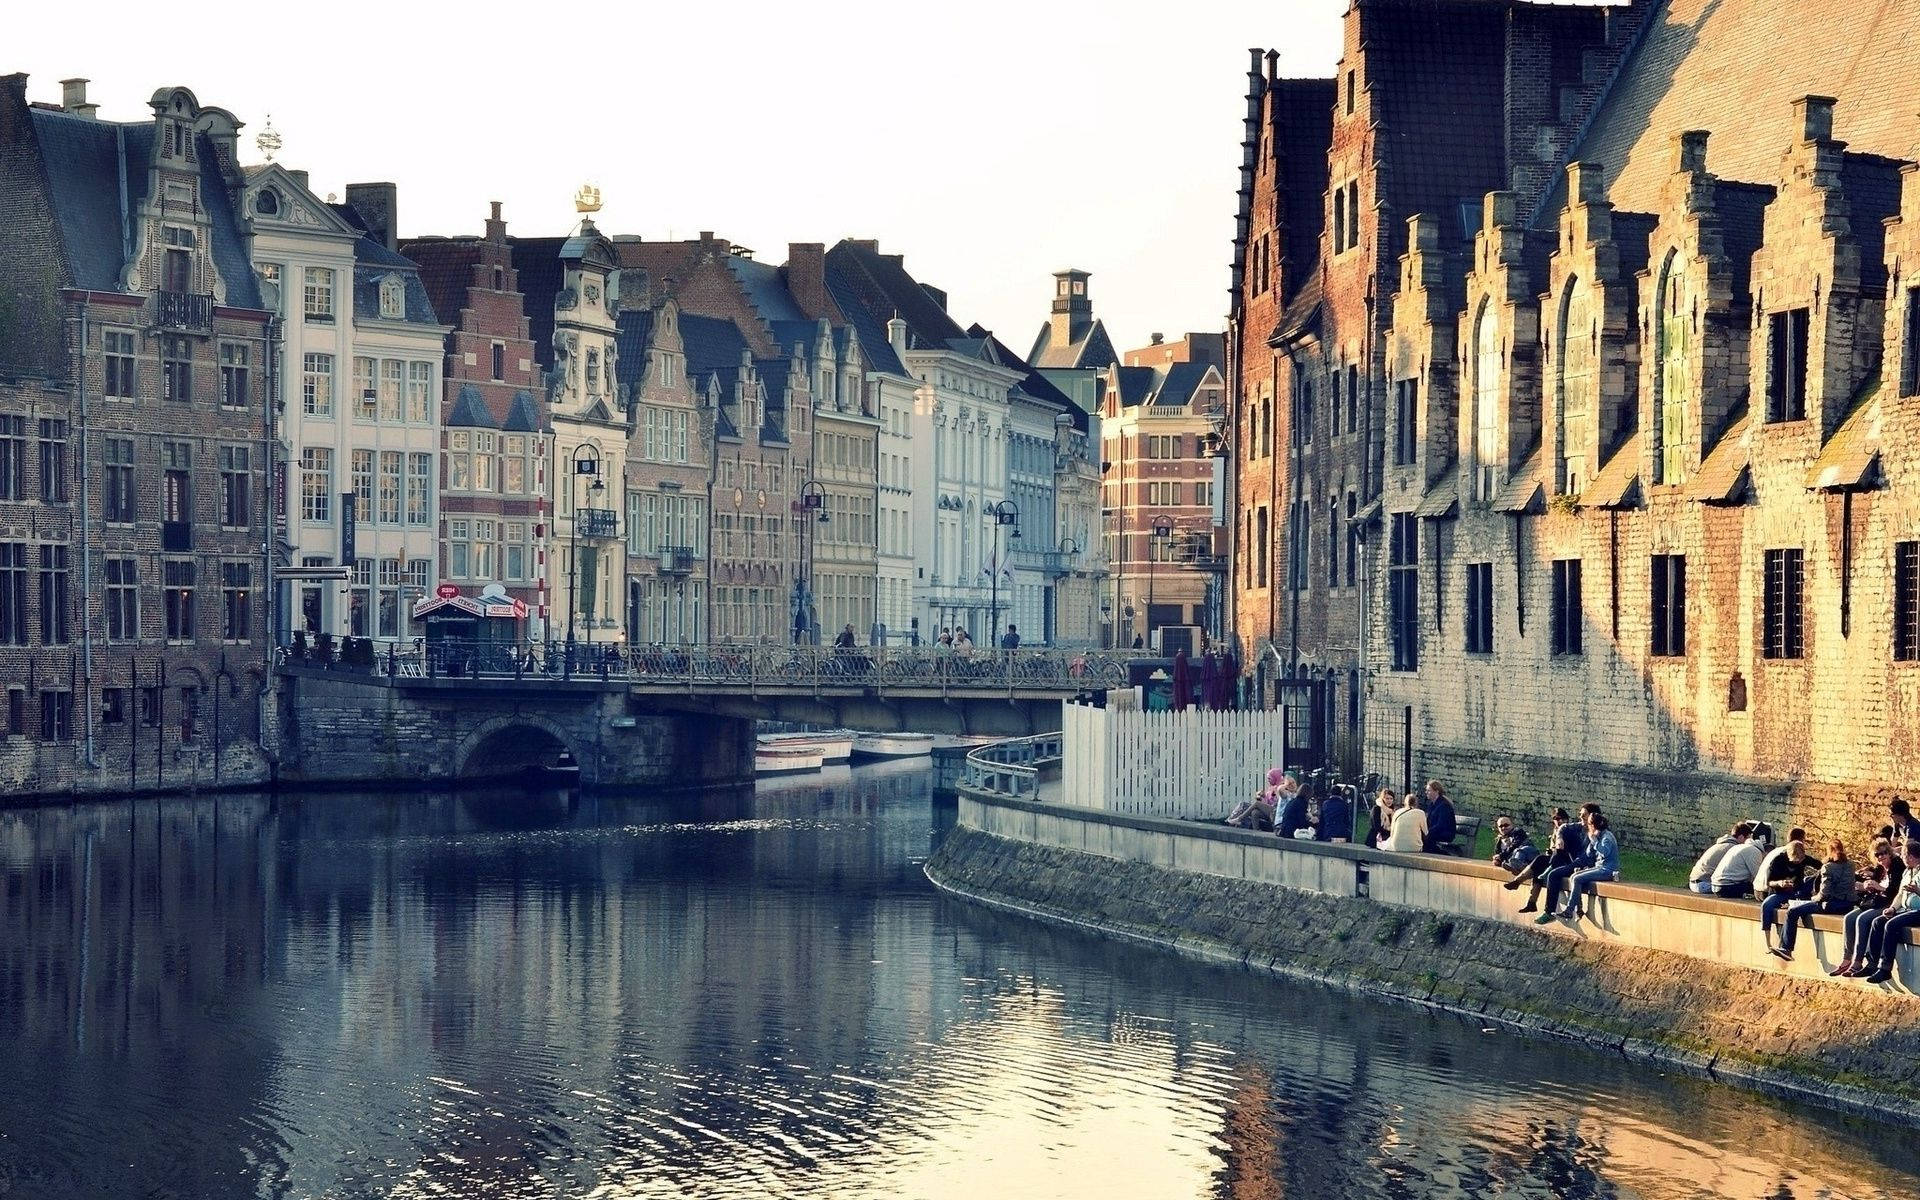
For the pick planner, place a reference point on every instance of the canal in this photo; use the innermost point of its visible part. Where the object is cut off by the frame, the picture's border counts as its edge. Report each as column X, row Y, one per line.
column 752, row 994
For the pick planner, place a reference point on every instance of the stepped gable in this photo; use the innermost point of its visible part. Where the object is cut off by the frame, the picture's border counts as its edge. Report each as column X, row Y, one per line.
column 1734, row 67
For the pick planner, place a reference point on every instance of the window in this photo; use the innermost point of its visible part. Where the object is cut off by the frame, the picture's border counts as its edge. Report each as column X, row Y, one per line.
column 460, row 460
column 236, row 600
column 391, row 464
column 1406, row 409
column 271, row 275
column 513, row 464
column 419, row 487
column 113, row 706
column 393, row 388
column 387, row 608
column 1334, row 409
column 1163, row 446
column 179, row 599
column 419, row 571
column 234, row 369
column 362, row 461
column 13, row 457
column 1353, row 399
column 1479, row 610
column 1671, row 378
column 1163, row 494
column 53, row 461
column 176, row 500
column 1669, row 605
column 593, row 371
column 1486, row 403
column 1203, row 494
column 55, row 596
column 316, row 385
column 366, row 387
column 420, row 393
column 13, row 593
column 514, row 557
column 316, row 483
column 393, row 300
column 1567, row 613
column 56, row 715
column 459, row 549
column 485, row 538
column 1339, row 218
column 123, row 600
column 176, row 368
column 1910, row 344
column 318, row 294
column 1906, row 601
column 360, row 598
column 122, row 375
column 119, row 495
column 1353, row 539
column 1781, row 631
column 1349, row 93
column 1787, row 365
column 499, row 361
column 236, row 487
column 16, row 711
column 1297, row 532
column 1574, row 358
column 1403, row 591
column 484, row 459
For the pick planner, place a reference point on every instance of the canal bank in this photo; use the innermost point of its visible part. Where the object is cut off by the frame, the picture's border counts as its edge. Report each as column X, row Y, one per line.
column 1407, row 928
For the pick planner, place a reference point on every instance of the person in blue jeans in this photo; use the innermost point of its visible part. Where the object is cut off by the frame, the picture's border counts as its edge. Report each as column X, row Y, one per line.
column 1599, row 864
column 1783, row 885
column 1890, row 929
column 1833, row 895
column 1873, row 889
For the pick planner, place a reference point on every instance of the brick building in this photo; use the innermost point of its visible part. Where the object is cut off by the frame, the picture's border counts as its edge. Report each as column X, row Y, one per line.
column 1644, row 528
column 135, row 368
column 496, row 435
column 669, row 464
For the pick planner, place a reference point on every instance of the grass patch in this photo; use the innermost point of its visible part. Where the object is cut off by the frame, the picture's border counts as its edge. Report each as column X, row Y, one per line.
column 1390, row 930
column 1439, row 932
column 1636, row 866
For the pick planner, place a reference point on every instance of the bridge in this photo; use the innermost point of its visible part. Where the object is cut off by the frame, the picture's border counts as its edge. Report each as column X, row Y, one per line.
column 653, row 716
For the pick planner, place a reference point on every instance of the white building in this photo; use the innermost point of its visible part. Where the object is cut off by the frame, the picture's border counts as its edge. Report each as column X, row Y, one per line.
column 359, row 402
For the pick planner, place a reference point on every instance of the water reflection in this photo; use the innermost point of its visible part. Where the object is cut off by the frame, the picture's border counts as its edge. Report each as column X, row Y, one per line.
column 749, row 993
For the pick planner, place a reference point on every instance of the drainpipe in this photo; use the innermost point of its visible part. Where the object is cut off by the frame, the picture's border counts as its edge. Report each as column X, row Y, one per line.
column 86, row 549
column 270, row 344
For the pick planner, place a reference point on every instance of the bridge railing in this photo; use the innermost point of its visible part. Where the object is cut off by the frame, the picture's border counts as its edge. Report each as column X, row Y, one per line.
column 1013, row 767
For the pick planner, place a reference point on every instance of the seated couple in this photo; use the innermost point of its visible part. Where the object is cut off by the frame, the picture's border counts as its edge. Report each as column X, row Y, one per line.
column 1581, row 854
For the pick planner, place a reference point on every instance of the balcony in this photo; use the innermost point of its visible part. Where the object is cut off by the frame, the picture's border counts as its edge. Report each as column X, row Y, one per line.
column 676, row 560
column 1057, row 564
column 189, row 312
column 595, row 523
column 176, row 536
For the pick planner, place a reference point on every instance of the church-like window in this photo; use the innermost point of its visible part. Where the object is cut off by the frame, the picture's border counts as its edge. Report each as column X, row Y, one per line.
column 1672, row 330
column 1574, row 355
column 1486, row 402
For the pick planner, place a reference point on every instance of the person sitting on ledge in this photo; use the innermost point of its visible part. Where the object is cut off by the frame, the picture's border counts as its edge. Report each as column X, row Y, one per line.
column 1873, row 889
column 1381, row 822
column 1336, row 818
column 1257, row 813
column 1780, row 885
column 1700, row 878
column 1292, row 818
column 1409, row 833
column 1513, row 850
column 1600, row 863
column 1763, row 879
column 1889, row 929
column 1567, row 841
column 1441, row 825
column 1733, row 876
column 1834, row 895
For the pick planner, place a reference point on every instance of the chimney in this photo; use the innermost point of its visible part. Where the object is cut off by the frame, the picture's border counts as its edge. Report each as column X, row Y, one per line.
column 807, row 276
column 1585, row 183
column 378, row 205
column 939, row 297
column 1690, row 151
column 1814, row 115
column 300, row 177
column 1156, row 339
column 73, row 98
column 496, row 224
column 897, row 334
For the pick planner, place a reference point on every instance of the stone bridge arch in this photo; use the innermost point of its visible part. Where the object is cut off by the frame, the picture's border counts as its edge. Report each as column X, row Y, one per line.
column 503, row 745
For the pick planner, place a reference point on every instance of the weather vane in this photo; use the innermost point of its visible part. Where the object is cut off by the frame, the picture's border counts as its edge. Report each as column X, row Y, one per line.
column 587, row 199
column 268, row 139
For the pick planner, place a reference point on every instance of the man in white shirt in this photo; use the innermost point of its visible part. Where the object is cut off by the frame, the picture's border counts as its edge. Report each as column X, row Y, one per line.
column 1733, row 877
column 1764, row 875
column 1700, row 879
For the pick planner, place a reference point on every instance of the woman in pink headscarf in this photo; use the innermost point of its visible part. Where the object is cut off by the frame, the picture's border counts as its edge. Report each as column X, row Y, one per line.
column 1257, row 813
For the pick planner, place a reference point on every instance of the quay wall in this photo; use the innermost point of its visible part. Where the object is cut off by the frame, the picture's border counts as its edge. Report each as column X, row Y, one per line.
column 1663, row 976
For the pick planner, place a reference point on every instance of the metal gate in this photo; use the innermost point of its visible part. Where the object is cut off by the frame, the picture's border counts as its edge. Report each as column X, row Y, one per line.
column 1305, row 703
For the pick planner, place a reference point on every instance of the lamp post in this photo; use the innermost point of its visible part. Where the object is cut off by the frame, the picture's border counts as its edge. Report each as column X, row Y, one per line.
column 1068, row 548
column 1005, row 513
column 586, row 463
column 813, row 510
column 1162, row 537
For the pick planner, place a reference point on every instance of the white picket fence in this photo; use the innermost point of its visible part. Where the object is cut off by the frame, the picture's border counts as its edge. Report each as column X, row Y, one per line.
column 1166, row 764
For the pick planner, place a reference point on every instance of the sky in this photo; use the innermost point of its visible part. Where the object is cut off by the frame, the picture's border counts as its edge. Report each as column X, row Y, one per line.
column 991, row 143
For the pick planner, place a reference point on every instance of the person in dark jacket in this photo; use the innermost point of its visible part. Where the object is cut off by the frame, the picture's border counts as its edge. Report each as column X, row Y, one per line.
column 1513, row 849
column 1441, row 825
column 1293, row 815
column 1567, row 843
column 1873, row 889
column 1336, row 818
column 1833, row 895
column 1905, row 827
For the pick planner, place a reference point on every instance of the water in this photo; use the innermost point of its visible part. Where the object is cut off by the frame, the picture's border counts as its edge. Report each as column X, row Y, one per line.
column 743, row 995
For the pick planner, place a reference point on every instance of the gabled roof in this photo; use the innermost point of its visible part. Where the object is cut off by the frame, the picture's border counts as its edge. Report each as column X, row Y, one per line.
column 871, row 330
column 536, row 262
column 765, row 290
column 1847, row 460
column 713, row 347
column 1135, row 385
column 373, row 263
column 880, row 283
column 1180, row 383
column 1092, row 348
column 1724, row 473
column 523, row 414
column 469, row 409
column 1617, row 484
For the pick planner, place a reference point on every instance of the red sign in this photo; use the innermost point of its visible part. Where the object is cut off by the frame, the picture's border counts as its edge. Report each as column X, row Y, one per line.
column 446, row 591
column 520, row 609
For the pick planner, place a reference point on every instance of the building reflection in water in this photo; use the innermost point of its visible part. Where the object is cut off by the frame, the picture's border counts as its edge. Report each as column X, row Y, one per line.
column 752, row 992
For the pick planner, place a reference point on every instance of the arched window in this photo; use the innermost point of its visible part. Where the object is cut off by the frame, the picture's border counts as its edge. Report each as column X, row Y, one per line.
column 1486, row 402
column 1574, row 354
column 1670, row 331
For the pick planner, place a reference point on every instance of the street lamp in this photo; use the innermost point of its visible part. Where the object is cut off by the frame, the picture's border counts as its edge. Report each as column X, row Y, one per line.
column 1005, row 513
column 586, row 464
column 813, row 499
column 1068, row 548
column 1162, row 538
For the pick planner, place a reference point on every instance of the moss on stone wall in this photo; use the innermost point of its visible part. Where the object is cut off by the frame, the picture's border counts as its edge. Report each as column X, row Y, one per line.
column 1842, row 1045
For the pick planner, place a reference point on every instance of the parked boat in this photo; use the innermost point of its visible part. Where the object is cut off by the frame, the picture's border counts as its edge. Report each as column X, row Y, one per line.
column 835, row 745
column 868, row 747
column 563, row 772
column 786, row 760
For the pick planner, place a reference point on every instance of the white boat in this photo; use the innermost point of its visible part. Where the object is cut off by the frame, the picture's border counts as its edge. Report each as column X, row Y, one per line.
column 835, row 745
column 786, row 760
column 873, row 746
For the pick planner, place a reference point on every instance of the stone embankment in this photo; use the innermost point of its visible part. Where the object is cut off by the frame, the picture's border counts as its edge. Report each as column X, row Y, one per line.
column 1838, row 1044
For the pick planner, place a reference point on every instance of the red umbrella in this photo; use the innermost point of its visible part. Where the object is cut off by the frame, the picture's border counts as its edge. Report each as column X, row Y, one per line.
column 1182, row 683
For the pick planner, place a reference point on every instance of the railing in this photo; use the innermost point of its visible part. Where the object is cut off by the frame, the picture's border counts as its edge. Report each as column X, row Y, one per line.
column 1012, row 768
column 676, row 560
column 595, row 522
column 190, row 311
column 924, row 670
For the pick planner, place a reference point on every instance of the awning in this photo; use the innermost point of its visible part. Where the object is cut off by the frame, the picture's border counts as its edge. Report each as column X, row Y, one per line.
column 1442, row 501
column 1524, row 491
column 1847, row 461
column 1724, row 476
column 1618, row 483
column 467, row 605
column 1367, row 515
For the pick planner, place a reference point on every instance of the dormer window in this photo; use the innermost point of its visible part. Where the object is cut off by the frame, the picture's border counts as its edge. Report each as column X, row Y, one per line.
column 267, row 203
column 393, row 300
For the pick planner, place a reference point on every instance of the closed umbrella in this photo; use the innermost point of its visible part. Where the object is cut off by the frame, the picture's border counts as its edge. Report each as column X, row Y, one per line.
column 1182, row 681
